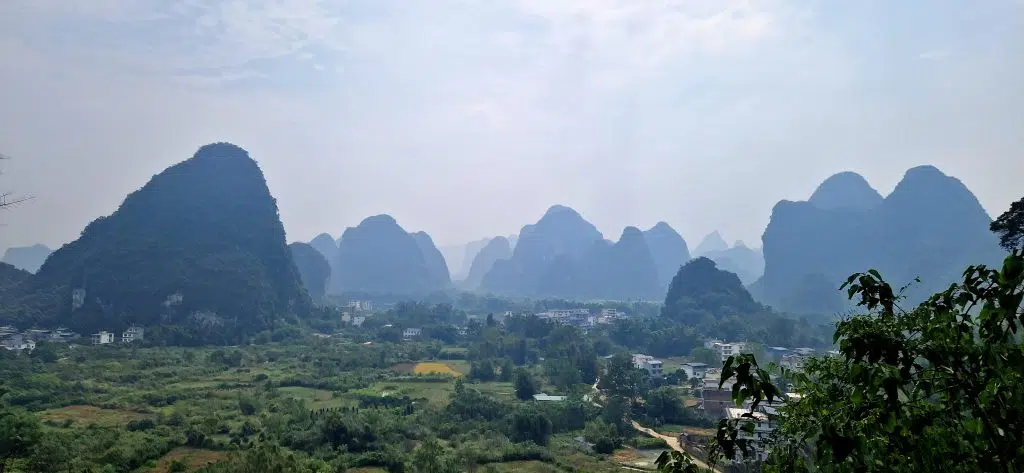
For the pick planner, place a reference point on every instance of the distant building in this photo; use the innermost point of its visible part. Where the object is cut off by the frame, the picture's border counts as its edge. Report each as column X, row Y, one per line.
column 793, row 361
column 18, row 342
column 694, row 370
column 132, row 334
column 764, row 425
column 725, row 349
column 575, row 317
column 411, row 333
column 653, row 366
column 102, row 338
column 547, row 397
column 361, row 306
column 357, row 321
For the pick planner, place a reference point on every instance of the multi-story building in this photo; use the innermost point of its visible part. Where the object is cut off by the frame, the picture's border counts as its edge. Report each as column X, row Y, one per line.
column 694, row 370
column 411, row 333
column 725, row 349
column 102, row 338
column 132, row 334
column 654, row 367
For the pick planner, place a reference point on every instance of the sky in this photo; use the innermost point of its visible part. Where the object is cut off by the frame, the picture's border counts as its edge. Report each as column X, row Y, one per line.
column 469, row 118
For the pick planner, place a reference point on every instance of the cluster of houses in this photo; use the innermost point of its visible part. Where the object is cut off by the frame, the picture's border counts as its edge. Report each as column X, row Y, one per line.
column 132, row 334
column 12, row 339
column 581, row 318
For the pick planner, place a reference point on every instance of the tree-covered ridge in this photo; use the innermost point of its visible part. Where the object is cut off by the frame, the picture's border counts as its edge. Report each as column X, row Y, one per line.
column 201, row 244
column 436, row 265
column 497, row 249
column 314, row 270
column 930, row 227
column 701, row 290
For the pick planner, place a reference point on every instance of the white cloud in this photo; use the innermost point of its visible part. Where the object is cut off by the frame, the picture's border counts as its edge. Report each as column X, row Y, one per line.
column 469, row 117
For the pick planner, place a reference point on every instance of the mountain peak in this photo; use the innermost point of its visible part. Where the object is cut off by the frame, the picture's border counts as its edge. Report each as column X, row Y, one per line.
column 382, row 219
column 561, row 209
column 845, row 190
column 221, row 150
column 712, row 242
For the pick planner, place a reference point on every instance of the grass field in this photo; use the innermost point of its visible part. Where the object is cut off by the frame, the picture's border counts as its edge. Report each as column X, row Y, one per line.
column 193, row 458
column 316, row 398
column 85, row 415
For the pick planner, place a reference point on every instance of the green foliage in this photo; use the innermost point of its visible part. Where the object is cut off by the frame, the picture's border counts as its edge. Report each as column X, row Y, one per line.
column 934, row 388
column 525, row 386
column 1010, row 227
column 621, row 378
column 530, row 424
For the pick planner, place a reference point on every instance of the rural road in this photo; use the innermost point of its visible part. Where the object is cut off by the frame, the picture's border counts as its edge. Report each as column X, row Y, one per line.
column 673, row 442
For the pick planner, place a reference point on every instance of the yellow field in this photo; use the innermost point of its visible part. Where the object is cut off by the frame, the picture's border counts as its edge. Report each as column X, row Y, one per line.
column 434, row 368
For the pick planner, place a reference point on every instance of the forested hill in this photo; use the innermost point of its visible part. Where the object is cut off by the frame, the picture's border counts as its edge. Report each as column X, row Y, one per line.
column 931, row 226
column 200, row 245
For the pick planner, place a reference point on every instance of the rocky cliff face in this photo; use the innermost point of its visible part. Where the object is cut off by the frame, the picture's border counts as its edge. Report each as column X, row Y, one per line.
column 931, row 226
column 379, row 256
column 201, row 244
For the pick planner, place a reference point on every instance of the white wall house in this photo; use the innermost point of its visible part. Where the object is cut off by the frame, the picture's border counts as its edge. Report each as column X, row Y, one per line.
column 132, row 334
column 725, row 349
column 653, row 366
column 694, row 370
column 411, row 333
column 102, row 338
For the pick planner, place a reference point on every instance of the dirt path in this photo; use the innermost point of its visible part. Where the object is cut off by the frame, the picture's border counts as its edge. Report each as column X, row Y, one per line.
column 673, row 443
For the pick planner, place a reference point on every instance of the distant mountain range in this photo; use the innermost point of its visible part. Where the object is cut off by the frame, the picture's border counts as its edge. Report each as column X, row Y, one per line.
column 931, row 226
column 201, row 246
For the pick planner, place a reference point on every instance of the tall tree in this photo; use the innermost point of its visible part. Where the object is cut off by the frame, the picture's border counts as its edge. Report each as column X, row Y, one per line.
column 1010, row 227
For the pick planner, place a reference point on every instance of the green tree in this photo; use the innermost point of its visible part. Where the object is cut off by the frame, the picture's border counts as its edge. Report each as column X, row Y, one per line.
column 530, row 425
column 706, row 356
column 664, row 405
column 19, row 432
column 934, row 388
column 622, row 378
column 431, row 457
column 1010, row 227
column 525, row 386
column 507, row 369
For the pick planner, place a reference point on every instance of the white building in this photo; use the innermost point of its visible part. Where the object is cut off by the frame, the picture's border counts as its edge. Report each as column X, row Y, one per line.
column 18, row 343
column 102, row 338
column 653, row 366
column 411, row 333
column 132, row 334
column 725, row 349
column 364, row 306
column 694, row 370
column 358, row 321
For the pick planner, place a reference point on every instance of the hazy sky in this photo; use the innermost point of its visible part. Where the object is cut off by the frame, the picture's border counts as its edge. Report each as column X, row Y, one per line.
column 468, row 118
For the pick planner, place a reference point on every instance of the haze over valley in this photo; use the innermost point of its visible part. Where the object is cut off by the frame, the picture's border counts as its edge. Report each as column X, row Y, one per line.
column 447, row 236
